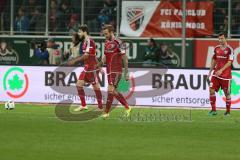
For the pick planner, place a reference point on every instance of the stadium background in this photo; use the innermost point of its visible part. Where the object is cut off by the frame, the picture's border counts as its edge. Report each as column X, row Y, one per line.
column 177, row 48
column 49, row 131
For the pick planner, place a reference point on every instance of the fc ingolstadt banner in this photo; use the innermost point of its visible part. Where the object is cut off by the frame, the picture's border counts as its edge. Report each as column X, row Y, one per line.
column 164, row 19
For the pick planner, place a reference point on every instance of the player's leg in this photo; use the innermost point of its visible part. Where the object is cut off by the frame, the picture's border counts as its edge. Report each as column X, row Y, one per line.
column 226, row 86
column 212, row 101
column 118, row 95
column 96, row 88
column 123, row 101
column 80, row 84
column 109, row 100
column 213, row 87
column 110, row 95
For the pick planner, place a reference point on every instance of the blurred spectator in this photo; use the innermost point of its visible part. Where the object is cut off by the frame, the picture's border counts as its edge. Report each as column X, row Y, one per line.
column 2, row 5
column 108, row 14
column 103, row 17
column 38, row 21
column 21, row 22
column 49, row 55
column 41, row 53
column 167, row 56
column 5, row 20
column 91, row 14
column 74, row 24
column 220, row 16
column 55, row 54
column 5, row 48
column 236, row 19
column 53, row 12
column 74, row 50
column 92, row 9
column 65, row 15
column 151, row 53
column 7, row 54
column 110, row 4
column 30, row 8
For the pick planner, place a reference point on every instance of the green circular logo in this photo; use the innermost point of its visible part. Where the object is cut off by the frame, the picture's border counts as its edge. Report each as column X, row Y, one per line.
column 15, row 82
column 235, row 89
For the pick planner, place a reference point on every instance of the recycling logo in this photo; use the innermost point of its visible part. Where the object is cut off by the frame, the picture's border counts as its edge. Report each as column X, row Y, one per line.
column 15, row 82
column 127, row 87
column 235, row 89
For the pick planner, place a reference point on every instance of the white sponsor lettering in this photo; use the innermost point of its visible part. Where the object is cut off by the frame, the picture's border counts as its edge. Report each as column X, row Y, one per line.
column 177, row 25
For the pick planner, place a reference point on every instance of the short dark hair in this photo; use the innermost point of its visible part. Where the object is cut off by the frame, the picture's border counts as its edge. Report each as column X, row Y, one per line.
column 22, row 9
column 84, row 28
column 65, row 2
column 77, row 38
column 153, row 41
column 109, row 27
column 222, row 34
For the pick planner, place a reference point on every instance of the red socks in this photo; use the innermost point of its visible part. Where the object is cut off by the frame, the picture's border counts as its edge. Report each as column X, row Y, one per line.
column 109, row 101
column 99, row 98
column 81, row 94
column 119, row 97
column 228, row 104
column 110, row 97
column 122, row 100
column 213, row 102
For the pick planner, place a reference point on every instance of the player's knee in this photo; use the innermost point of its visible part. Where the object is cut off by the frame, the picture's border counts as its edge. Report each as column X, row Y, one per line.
column 228, row 96
column 115, row 92
column 110, row 92
column 212, row 91
column 96, row 86
column 227, row 93
column 110, row 88
column 80, row 84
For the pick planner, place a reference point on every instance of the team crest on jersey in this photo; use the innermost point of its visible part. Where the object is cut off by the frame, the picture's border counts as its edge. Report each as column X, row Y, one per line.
column 110, row 47
column 135, row 17
column 225, row 52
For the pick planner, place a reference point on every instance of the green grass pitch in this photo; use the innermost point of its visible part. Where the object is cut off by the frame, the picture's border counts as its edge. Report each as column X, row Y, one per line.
column 33, row 132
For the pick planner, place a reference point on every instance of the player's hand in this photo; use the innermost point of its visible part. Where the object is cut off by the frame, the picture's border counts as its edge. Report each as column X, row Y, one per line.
column 65, row 53
column 101, row 70
column 99, row 65
column 208, row 76
column 126, row 75
column 219, row 72
column 71, row 62
column 35, row 46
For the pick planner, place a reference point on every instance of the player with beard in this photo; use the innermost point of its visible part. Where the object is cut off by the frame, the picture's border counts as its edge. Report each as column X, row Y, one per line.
column 115, row 59
column 90, row 73
column 221, row 66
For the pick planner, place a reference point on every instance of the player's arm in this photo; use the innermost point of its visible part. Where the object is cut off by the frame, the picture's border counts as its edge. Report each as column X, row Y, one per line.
column 102, row 62
column 125, row 65
column 78, row 59
column 81, row 57
column 228, row 64
column 213, row 64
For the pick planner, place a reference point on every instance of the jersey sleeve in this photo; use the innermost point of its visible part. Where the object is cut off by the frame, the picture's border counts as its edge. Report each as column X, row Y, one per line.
column 90, row 48
column 120, row 49
column 231, row 54
column 214, row 54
